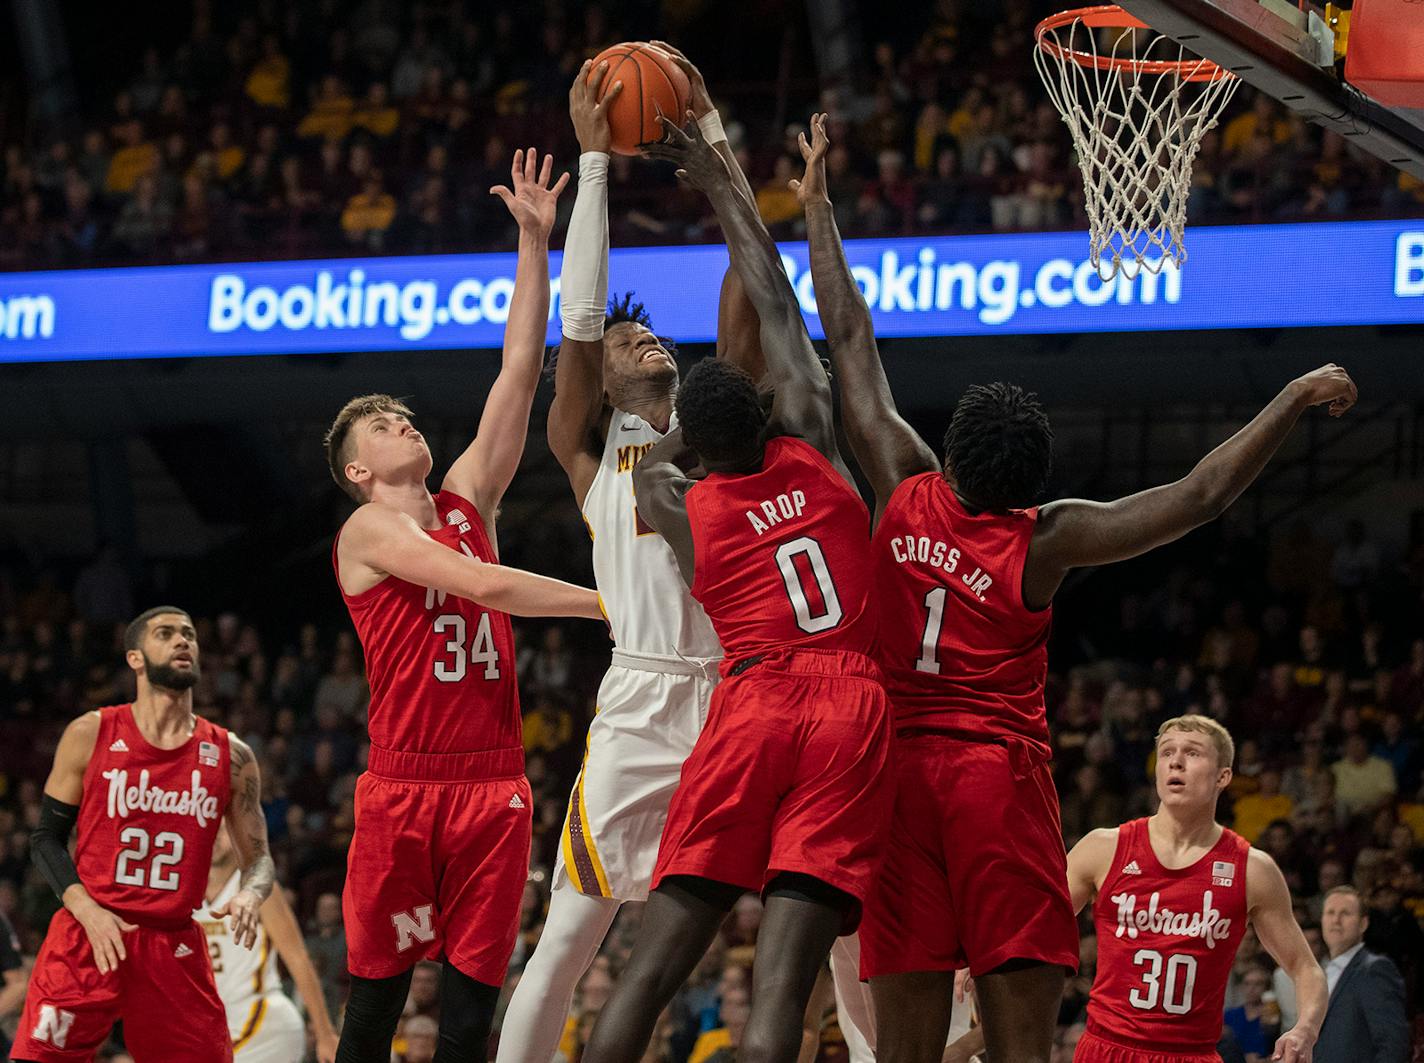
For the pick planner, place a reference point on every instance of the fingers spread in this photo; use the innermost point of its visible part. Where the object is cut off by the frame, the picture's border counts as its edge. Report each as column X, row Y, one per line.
column 562, row 182
column 547, row 171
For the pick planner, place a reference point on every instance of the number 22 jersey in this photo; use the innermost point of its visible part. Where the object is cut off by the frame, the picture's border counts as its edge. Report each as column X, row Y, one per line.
column 440, row 667
column 1167, row 939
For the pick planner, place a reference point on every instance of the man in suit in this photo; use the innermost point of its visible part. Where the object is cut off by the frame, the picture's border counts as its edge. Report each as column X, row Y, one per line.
column 1366, row 1020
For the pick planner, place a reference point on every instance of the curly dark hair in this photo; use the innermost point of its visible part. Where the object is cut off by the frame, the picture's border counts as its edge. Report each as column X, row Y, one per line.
column 622, row 310
column 999, row 447
column 719, row 410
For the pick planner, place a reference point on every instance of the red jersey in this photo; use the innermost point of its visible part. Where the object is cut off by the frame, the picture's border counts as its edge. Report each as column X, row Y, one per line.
column 959, row 649
column 440, row 667
column 148, row 817
column 781, row 555
column 1166, row 943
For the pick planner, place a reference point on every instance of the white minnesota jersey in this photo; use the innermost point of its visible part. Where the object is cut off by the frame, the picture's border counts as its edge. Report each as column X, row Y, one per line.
column 245, row 977
column 648, row 605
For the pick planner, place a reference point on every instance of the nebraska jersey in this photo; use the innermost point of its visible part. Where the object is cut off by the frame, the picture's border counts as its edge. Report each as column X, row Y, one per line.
column 959, row 649
column 440, row 667
column 647, row 603
column 781, row 555
column 148, row 817
column 1166, row 942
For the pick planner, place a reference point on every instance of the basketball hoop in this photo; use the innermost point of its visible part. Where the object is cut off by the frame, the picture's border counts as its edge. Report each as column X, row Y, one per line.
column 1137, row 114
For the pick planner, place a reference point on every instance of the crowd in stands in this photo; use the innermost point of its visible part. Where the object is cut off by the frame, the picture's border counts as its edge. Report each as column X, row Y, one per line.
column 1317, row 668
column 339, row 127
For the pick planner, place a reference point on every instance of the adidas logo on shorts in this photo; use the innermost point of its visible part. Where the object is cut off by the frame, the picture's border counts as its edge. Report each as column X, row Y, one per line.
column 181, row 951
column 1132, row 869
column 119, row 746
column 516, row 802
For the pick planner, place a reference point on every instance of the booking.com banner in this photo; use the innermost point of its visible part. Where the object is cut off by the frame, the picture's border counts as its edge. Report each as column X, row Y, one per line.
column 1265, row 276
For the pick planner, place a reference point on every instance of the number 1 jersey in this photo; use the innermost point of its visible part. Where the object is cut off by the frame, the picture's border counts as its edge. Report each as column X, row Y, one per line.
column 1167, row 939
column 782, row 556
column 148, row 817
column 440, row 667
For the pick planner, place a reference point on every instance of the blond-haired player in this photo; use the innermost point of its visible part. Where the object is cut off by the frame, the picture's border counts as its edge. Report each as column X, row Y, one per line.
column 1172, row 894
column 265, row 1025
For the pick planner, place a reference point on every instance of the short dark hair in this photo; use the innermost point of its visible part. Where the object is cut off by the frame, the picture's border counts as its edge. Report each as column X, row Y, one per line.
column 338, row 435
column 999, row 447
column 719, row 410
column 622, row 310
column 138, row 626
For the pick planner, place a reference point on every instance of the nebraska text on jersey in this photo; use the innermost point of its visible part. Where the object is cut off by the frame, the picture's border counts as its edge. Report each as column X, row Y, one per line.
column 1206, row 924
column 123, row 798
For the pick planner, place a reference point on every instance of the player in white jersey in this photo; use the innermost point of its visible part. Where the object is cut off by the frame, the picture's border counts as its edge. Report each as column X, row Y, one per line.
column 614, row 387
column 264, row 1024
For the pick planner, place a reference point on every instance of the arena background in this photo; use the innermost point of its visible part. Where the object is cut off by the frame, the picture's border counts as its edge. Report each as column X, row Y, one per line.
column 191, row 133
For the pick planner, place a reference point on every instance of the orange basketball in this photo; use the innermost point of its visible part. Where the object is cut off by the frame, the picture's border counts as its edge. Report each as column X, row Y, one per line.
column 651, row 83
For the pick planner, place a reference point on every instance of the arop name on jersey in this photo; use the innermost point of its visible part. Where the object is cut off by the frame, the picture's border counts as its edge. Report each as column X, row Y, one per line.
column 125, row 799
column 1207, row 924
column 775, row 510
column 922, row 550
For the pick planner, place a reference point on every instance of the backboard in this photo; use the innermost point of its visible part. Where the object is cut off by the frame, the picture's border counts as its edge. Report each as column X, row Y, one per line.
column 1273, row 50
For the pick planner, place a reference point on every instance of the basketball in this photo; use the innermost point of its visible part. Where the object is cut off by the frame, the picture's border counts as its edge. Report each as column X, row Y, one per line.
column 652, row 83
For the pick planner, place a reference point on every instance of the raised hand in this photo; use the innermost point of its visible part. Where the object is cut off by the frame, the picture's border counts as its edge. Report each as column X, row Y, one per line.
column 697, row 161
column 699, row 100
column 1329, row 384
column 811, row 188
column 243, row 907
column 589, row 113
column 533, row 202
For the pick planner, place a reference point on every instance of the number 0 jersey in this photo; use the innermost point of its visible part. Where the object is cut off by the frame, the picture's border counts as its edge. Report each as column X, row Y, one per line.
column 781, row 555
column 960, row 651
column 440, row 667
column 148, row 817
column 1167, row 940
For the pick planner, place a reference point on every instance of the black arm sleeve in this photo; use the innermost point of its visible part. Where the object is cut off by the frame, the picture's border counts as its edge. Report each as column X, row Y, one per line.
column 49, row 844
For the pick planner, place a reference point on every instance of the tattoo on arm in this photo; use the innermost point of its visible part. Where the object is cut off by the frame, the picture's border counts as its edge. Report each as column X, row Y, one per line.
column 248, row 824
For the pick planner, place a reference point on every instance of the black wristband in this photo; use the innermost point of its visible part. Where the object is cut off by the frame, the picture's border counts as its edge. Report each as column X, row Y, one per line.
column 49, row 844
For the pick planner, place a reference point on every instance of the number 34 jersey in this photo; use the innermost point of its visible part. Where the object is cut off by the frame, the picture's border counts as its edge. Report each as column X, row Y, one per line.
column 1167, row 939
column 440, row 667
column 782, row 556
column 148, row 817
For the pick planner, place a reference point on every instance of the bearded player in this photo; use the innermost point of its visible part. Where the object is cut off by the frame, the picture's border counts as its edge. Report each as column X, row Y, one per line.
column 967, row 568
column 148, row 784
column 1174, row 893
column 263, row 1023
column 786, row 791
column 441, row 849
column 615, row 383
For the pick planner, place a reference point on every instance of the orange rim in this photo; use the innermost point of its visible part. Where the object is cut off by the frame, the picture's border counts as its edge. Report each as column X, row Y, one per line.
column 1111, row 16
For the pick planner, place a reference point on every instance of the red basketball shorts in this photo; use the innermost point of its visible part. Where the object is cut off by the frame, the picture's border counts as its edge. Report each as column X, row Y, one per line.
column 436, row 868
column 975, row 871
column 1096, row 1049
column 163, row 991
column 791, row 773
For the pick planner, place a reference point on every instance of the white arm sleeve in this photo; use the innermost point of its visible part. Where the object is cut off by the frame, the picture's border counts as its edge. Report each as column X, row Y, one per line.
column 583, row 280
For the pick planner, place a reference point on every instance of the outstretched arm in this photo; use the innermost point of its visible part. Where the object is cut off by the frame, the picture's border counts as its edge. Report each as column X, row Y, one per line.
column 1073, row 533
column 281, row 924
column 483, row 472
column 1269, row 903
column 576, row 414
column 385, row 541
column 247, row 827
column 887, row 448
column 802, row 403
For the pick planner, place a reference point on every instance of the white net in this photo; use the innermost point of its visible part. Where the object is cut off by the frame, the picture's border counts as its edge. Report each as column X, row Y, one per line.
column 1137, row 110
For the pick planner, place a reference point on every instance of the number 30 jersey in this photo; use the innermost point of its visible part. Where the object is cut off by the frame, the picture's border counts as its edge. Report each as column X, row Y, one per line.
column 960, row 651
column 441, row 668
column 148, row 817
column 1166, row 942
column 782, row 556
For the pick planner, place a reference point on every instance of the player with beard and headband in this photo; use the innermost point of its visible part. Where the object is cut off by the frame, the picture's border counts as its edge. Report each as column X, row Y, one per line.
column 787, row 789
column 1174, row 893
column 615, row 382
column 264, row 1024
column 148, row 784
column 441, row 850
column 967, row 567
